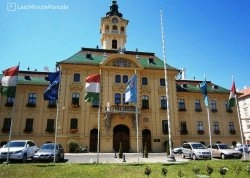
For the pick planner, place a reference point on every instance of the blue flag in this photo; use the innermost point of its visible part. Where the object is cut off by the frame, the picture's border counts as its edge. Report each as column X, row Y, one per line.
column 203, row 87
column 51, row 93
column 131, row 91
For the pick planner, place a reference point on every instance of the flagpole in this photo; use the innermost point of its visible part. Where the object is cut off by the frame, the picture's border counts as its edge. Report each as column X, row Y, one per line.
column 12, row 119
column 209, row 130
column 209, row 121
column 137, row 125
column 241, row 134
column 57, row 115
column 171, row 155
column 99, row 115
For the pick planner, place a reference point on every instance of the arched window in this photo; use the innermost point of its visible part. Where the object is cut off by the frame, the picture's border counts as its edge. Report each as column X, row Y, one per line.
column 124, row 79
column 117, row 98
column 117, row 79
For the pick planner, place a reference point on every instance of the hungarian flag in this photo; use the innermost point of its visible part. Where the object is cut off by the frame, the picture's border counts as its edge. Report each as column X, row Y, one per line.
column 9, row 82
column 92, row 88
column 232, row 97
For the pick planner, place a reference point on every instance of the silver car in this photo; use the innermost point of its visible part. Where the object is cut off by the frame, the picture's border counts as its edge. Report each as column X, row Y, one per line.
column 47, row 151
column 195, row 150
column 224, row 151
column 18, row 150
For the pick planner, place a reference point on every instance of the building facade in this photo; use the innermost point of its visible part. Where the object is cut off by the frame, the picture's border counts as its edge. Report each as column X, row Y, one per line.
column 244, row 107
column 75, row 119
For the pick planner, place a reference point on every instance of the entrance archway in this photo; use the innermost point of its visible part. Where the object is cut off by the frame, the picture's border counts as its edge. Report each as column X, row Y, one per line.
column 146, row 138
column 93, row 140
column 121, row 135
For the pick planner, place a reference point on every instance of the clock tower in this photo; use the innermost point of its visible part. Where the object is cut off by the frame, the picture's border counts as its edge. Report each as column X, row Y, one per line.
column 113, row 29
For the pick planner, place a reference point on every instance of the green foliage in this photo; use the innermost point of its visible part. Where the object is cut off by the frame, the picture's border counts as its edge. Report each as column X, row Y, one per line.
column 209, row 169
column 126, row 170
column 73, row 146
column 164, row 171
column 196, row 170
column 223, row 170
column 147, row 171
column 180, row 173
column 237, row 170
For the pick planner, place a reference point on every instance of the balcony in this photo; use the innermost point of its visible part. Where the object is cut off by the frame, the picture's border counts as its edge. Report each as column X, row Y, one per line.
column 120, row 109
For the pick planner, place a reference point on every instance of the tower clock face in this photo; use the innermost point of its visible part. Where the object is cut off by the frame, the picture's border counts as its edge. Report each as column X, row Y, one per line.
column 114, row 20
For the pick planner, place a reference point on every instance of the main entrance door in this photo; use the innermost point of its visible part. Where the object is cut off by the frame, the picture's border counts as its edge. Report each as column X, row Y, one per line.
column 121, row 135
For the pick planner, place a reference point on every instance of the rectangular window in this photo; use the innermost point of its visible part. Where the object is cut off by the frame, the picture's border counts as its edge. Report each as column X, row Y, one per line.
column 184, row 127
column 50, row 125
column 163, row 102
column 73, row 123
column 52, row 104
column 197, row 105
column 32, row 99
column 6, row 124
column 216, row 126
column 144, row 81
column 10, row 101
column 162, row 82
column 165, row 126
column 181, row 105
column 199, row 125
column 145, row 103
column 231, row 128
column 28, row 125
column 75, row 99
column 213, row 105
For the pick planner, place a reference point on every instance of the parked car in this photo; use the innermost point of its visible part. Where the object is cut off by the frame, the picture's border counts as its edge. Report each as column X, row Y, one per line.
column 241, row 148
column 18, row 150
column 177, row 150
column 224, row 151
column 47, row 151
column 195, row 150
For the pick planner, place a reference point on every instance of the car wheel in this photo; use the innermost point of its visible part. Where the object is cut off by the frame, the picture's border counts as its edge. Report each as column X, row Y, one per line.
column 223, row 156
column 182, row 155
column 194, row 157
column 179, row 151
column 62, row 158
column 24, row 158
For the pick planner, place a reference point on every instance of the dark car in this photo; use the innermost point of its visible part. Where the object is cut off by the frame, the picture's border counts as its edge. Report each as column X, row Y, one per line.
column 47, row 151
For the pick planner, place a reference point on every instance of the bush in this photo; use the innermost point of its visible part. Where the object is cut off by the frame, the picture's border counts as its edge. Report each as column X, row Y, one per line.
column 73, row 146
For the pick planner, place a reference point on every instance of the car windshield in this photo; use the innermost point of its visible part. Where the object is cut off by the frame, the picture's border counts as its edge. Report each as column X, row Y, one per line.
column 47, row 147
column 224, row 146
column 198, row 146
column 15, row 144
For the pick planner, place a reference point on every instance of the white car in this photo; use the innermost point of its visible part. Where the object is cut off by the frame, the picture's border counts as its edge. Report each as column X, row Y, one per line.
column 195, row 150
column 18, row 150
column 224, row 151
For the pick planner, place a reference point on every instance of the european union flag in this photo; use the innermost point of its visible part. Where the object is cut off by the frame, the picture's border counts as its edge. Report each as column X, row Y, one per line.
column 131, row 91
column 51, row 93
column 203, row 87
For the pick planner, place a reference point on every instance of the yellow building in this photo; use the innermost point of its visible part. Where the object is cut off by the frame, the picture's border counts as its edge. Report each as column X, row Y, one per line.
column 35, row 118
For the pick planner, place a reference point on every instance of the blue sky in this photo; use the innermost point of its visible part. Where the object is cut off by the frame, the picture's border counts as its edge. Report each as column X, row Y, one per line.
column 210, row 37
